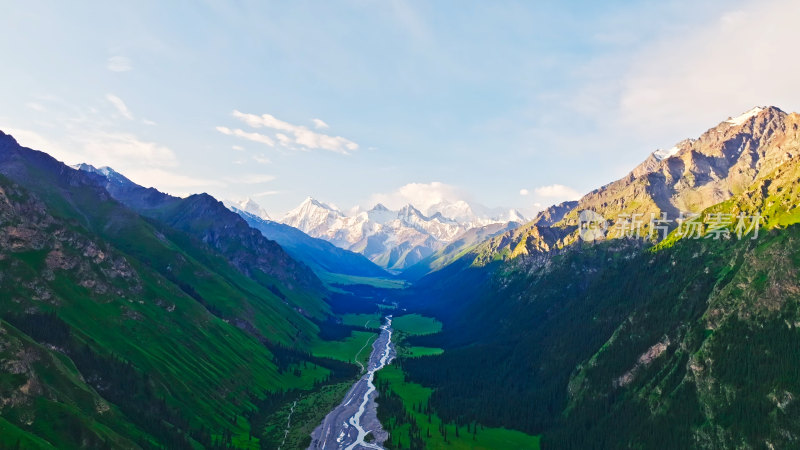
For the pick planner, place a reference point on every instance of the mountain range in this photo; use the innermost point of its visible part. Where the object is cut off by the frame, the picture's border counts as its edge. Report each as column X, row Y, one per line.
column 131, row 318
column 327, row 260
column 395, row 239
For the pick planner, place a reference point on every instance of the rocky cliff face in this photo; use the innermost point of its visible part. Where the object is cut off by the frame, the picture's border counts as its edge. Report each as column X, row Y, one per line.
column 723, row 162
column 696, row 174
column 689, row 343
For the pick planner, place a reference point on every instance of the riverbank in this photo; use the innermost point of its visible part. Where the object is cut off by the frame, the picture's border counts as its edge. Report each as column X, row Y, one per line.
column 354, row 423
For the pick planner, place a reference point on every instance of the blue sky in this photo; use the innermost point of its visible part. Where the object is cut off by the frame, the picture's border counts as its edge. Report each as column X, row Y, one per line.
column 357, row 101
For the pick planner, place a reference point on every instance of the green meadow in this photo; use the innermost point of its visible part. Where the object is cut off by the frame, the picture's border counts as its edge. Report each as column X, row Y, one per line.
column 418, row 352
column 369, row 321
column 416, row 324
column 415, row 397
column 356, row 347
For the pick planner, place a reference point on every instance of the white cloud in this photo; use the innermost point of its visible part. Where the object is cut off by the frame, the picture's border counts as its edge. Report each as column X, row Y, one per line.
column 167, row 181
column 266, row 193
column 100, row 148
column 264, row 120
column 119, row 64
column 121, row 107
column 252, row 179
column 320, row 124
column 119, row 149
column 261, row 159
column 143, row 162
column 36, row 106
column 296, row 134
column 723, row 68
column 255, row 137
column 421, row 195
column 544, row 196
column 36, row 141
column 283, row 139
column 237, row 148
column 556, row 193
column 85, row 134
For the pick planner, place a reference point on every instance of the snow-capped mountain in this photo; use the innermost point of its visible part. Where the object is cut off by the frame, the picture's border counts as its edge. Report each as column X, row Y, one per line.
column 472, row 215
column 394, row 239
column 248, row 206
column 312, row 217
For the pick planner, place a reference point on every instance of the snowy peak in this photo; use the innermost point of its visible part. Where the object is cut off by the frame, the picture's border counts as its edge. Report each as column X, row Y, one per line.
column 409, row 212
column 473, row 215
column 739, row 120
column 310, row 203
column 767, row 113
column 248, row 206
column 459, row 211
column 661, row 155
column 381, row 214
column 514, row 215
column 312, row 215
column 664, row 154
column 395, row 238
column 107, row 172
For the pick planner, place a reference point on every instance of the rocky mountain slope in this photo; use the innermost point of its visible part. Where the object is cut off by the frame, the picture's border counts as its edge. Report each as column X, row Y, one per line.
column 695, row 174
column 457, row 248
column 623, row 343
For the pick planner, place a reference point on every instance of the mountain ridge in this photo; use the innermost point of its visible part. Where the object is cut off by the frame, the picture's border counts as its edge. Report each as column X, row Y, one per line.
column 129, row 332
column 319, row 254
column 625, row 342
column 703, row 172
column 393, row 239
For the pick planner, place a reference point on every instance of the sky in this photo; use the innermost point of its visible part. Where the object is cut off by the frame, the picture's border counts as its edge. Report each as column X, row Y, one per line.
column 503, row 103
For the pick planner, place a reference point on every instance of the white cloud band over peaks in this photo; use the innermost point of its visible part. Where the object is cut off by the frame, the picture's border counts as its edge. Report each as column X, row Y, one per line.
column 289, row 135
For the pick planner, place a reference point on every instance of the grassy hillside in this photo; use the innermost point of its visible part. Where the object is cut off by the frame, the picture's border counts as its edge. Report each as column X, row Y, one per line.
column 125, row 331
column 687, row 344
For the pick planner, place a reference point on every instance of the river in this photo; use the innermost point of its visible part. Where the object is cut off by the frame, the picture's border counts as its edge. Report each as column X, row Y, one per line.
column 347, row 425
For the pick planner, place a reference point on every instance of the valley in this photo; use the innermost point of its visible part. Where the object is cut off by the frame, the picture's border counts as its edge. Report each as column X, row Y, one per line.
column 136, row 319
column 399, row 225
column 354, row 423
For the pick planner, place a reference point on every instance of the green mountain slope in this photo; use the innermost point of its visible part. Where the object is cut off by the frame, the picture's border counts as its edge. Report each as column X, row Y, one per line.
column 178, row 340
column 209, row 221
column 38, row 385
column 691, row 343
column 456, row 249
